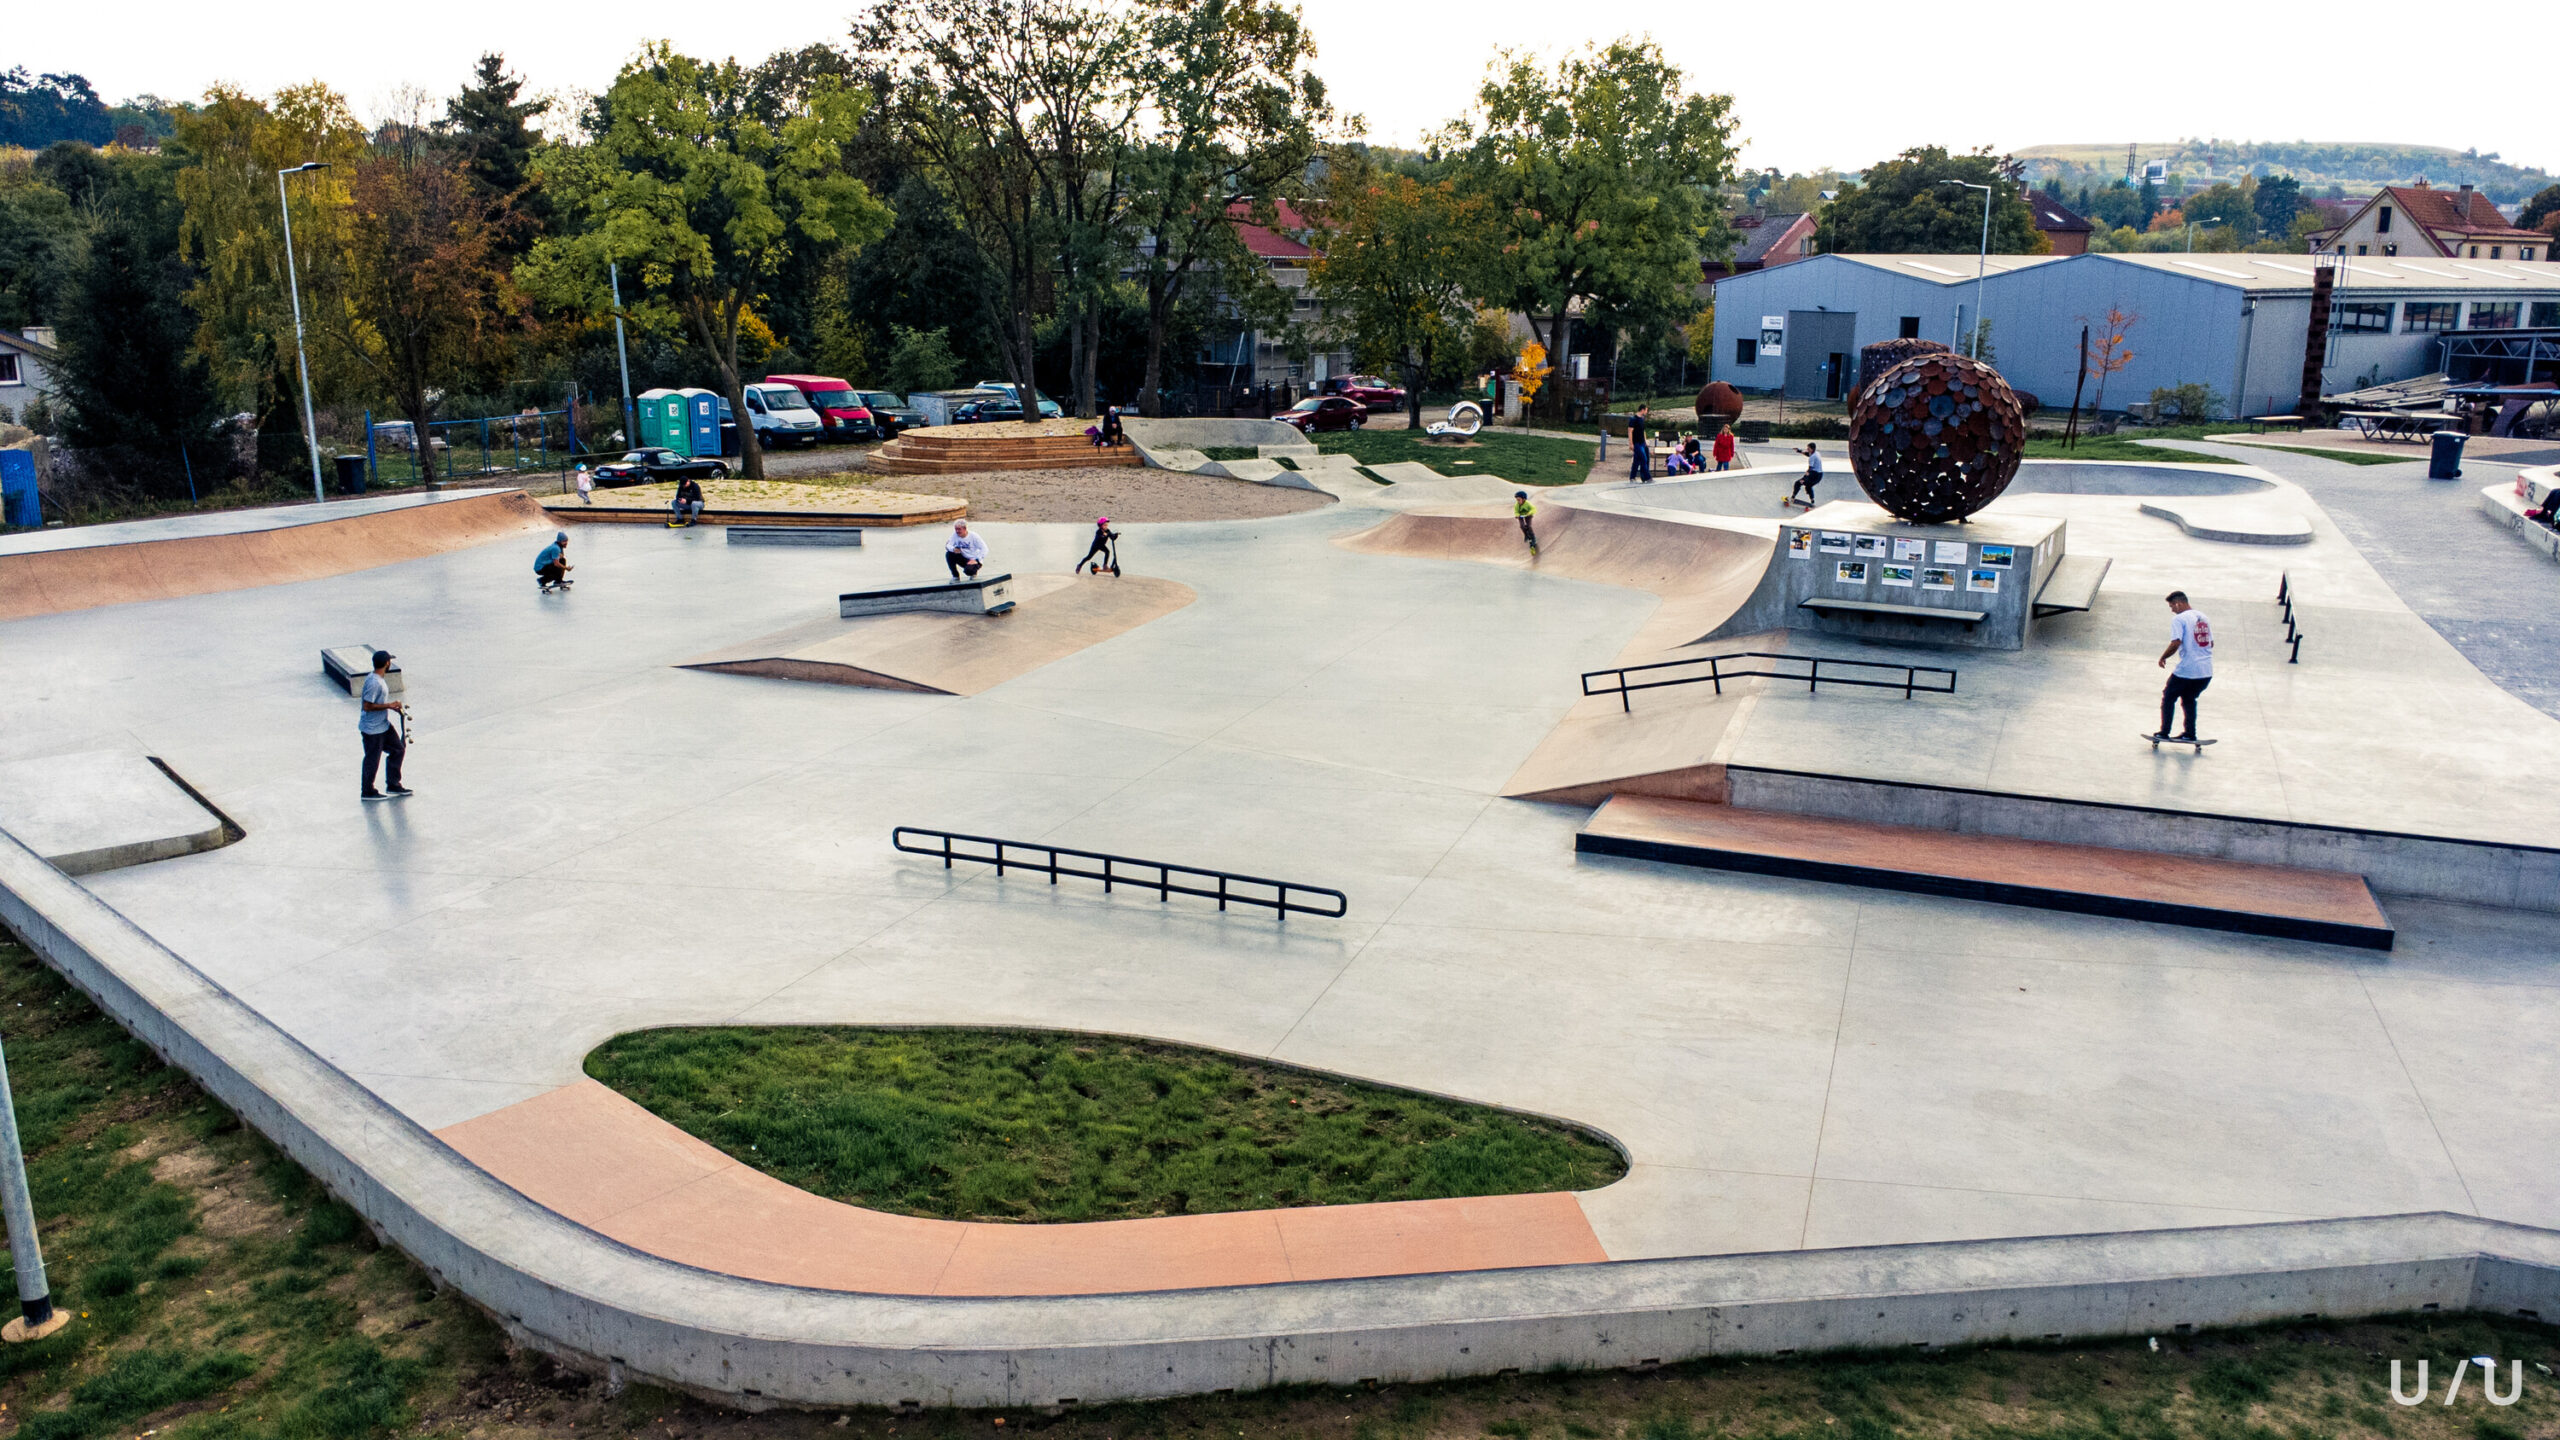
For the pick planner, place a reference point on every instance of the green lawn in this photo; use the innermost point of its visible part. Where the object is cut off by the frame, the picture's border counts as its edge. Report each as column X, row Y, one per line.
column 2350, row 457
column 220, row 1295
column 1005, row 1125
column 1520, row 459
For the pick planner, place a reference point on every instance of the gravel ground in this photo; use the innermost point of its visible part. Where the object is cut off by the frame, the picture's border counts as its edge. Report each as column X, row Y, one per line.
column 1069, row 494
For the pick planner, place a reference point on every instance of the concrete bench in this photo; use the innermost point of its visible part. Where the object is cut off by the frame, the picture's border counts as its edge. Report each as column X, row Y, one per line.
column 990, row 596
column 2073, row 585
column 347, row 665
column 1886, row 610
column 2261, row 424
column 794, row 535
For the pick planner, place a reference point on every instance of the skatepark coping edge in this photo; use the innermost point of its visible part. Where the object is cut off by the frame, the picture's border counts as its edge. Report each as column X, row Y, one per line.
column 602, row 1306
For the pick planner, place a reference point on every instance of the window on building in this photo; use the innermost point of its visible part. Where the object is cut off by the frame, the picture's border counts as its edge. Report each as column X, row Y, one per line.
column 1910, row 327
column 2360, row 317
column 9, row 369
column 2382, row 222
column 2493, row 252
column 2475, row 252
column 2362, row 250
column 2525, row 254
column 2426, row 317
column 1746, row 352
column 2390, row 249
column 2502, row 315
column 2546, row 314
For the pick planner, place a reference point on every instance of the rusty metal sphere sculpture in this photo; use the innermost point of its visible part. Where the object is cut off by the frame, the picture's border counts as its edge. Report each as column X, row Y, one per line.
column 1874, row 360
column 1936, row 438
column 1719, row 404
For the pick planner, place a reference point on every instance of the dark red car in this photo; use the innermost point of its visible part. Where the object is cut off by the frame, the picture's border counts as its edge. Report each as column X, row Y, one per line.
column 1324, row 412
column 1369, row 390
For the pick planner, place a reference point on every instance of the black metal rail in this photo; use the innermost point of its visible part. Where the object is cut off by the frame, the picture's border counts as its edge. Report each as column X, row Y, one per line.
column 1740, row 666
column 2292, row 631
column 1117, row 870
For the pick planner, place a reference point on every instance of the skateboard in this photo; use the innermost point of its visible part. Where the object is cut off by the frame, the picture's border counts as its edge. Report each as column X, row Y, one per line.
column 2158, row 740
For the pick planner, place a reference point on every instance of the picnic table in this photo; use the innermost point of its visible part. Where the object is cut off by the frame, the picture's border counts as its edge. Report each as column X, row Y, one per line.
column 2397, row 424
column 2260, row 424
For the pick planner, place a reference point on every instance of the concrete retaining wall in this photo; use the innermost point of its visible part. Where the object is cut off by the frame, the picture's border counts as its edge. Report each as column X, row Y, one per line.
column 2523, row 877
column 572, row 1292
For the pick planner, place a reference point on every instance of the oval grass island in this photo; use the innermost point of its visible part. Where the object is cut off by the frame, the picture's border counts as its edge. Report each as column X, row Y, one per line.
column 1015, row 1126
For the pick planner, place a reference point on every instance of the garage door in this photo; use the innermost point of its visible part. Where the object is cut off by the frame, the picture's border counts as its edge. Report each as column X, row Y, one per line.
column 1821, row 358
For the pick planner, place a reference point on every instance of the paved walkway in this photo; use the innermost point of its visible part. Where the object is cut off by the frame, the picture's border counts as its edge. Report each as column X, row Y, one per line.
column 602, row 842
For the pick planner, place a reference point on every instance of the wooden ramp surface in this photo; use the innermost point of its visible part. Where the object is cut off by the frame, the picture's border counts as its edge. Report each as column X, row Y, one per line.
column 2211, row 894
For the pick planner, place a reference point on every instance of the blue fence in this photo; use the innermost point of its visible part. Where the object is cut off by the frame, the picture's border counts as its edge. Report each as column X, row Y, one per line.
column 471, row 449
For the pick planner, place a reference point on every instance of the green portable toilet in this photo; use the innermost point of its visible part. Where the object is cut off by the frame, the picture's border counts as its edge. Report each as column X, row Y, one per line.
column 663, row 422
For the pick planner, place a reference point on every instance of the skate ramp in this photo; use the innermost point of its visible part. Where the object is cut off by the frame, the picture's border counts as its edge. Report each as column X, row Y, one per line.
column 53, row 571
column 106, row 809
column 1054, row 616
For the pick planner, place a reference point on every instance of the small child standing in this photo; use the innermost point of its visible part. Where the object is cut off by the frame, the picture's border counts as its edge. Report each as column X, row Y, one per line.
column 586, row 484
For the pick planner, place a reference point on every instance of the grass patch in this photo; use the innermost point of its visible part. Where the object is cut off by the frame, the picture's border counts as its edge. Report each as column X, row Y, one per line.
column 228, row 1298
column 2124, row 445
column 999, row 1125
column 2346, row 457
column 1520, row 459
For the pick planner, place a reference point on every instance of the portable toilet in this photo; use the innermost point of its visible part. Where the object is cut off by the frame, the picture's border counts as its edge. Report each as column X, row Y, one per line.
column 701, row 421
column 662, row 421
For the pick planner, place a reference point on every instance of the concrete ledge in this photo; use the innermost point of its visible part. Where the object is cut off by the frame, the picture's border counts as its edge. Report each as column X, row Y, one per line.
column 105, row 810
column 573, row 1293
column 2233, row 521
column 795, row 535
column 991, row 595
column 2504, row 505
column 2473, row 872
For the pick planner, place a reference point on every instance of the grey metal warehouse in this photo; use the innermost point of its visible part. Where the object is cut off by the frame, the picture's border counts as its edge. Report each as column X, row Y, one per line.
column 2233, row 323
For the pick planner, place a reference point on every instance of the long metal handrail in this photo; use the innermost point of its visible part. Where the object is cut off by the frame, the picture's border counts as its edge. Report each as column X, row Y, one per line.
column 1814, row 676
column 1014, row 855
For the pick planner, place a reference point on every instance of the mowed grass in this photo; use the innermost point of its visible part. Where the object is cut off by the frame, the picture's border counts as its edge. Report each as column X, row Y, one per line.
column 1002, row 1125
column 1520, row 459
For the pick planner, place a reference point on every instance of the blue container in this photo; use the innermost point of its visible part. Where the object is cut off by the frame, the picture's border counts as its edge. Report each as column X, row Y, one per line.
column 18, row 504
column 702, row 422
column 2445, row 459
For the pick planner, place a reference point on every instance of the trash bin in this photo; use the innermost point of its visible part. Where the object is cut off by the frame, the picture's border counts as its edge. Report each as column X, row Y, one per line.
column 2445, row 462
column 1754, row 432
column 350, row 474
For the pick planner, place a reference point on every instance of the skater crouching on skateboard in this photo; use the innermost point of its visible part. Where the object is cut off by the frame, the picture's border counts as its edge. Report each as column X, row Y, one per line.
column 964, row 553
column 551, row 568
column 2191, row 641
column 382, row 741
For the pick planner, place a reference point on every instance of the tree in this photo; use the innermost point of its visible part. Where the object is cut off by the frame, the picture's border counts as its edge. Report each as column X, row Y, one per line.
column 2279, row 199
column 37, row 110
column 485, row 125
column 1398, row 259
column 2544, row 204
column 1239, row 117
column 1905, row 206
column 2225, row 205
column 1601, row 178
column 40, row 240
column 921, row 360
column 701, row 200
column 134, row 386
column 2106, row 350
column 428, row 287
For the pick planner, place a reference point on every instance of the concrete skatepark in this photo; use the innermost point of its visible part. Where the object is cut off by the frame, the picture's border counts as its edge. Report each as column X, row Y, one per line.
column 1853, row 1115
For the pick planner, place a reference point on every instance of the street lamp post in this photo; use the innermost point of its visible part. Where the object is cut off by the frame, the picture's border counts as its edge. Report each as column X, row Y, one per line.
column 2191, row 230
column 1981, row 260
column 36, row 1316
column 293, row 284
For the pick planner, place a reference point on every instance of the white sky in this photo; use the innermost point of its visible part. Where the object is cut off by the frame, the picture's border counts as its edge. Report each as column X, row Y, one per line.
column 1843, row 84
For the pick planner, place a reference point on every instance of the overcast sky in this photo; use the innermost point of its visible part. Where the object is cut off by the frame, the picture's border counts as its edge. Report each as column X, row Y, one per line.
column 1842, row 84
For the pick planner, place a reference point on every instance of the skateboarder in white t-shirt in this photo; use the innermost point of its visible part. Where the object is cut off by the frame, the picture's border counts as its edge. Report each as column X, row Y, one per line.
column 2191, row 641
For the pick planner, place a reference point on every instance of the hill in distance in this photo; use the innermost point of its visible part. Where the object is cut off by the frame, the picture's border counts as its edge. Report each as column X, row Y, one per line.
column 2357, row 166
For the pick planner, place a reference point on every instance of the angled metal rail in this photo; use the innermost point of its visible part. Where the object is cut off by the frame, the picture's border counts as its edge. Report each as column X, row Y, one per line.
column 1167, row 880
column 1818, row 671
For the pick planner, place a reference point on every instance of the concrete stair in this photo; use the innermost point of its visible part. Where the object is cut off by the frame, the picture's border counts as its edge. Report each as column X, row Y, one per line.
column 954, row 451
column 2329, row 906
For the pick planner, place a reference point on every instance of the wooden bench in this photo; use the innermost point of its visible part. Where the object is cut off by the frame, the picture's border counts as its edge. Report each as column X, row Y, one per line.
column 1886, row 610
column 2261, row 424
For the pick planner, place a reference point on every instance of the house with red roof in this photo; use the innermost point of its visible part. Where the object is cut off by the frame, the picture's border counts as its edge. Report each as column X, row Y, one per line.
column 2416, row 220
column 2064, row 230
column 1760, row 241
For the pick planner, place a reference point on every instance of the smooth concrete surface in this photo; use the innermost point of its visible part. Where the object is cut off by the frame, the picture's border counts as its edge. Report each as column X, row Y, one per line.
column 602, row 842
column 2241, row 520
column 227, row 522
column 102, row 810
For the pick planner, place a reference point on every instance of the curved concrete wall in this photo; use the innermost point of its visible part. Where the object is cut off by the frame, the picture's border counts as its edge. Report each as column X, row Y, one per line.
column 573, row 1292
column 1178, row 434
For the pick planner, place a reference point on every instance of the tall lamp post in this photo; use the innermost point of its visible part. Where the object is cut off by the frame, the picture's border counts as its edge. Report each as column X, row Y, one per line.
column 36, row 1317
column 293, row 284
column 1981, row 261
column 2191, row 230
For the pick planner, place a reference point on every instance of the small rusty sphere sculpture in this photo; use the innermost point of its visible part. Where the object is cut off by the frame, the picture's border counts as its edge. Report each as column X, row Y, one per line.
column 1874, row 360
column 1718, row 404
column 1936, row 438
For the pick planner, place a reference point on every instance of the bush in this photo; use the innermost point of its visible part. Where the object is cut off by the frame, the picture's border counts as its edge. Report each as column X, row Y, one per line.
column 2188, row 402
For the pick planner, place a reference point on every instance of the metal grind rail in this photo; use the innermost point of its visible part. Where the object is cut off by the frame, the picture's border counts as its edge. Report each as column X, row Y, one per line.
column 1818, row 671
column 1117, row 870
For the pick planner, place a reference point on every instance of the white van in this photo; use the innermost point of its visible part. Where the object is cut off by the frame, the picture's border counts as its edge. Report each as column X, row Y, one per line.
column 781, row 414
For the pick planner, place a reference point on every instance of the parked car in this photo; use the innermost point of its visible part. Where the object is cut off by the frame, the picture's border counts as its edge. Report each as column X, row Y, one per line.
column 842, row 415
column 1324, row 412
column 643, row 467
column 1371, row 391
column 993, row 405
column 782, row 416
column 1048, row 408
column 891, row 413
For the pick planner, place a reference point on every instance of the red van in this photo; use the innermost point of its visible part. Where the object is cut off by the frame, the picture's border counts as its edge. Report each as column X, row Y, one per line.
column 838, row 407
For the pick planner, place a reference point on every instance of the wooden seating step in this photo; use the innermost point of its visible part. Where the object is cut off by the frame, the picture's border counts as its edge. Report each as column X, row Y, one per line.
column 2323, row 905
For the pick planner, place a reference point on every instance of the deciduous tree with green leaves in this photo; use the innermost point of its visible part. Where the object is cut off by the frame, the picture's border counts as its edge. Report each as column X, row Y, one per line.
column 690, row 188
column 1397, row 260
column 1603, row 177
column 1903, row 207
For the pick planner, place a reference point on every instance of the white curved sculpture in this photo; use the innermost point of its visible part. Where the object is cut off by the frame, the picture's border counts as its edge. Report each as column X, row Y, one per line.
column 1465, row 418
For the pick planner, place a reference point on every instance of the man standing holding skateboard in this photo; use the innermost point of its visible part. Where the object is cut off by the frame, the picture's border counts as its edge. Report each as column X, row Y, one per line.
column 382, row 739
column 2191, row 641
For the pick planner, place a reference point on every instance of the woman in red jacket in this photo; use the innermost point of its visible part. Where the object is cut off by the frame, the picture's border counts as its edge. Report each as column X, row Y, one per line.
column 1724, row 448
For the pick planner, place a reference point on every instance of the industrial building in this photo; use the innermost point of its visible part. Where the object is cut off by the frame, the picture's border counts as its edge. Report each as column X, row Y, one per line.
column 2233, row 323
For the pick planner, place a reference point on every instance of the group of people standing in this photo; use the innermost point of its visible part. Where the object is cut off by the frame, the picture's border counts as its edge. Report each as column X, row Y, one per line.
column 1688, row 454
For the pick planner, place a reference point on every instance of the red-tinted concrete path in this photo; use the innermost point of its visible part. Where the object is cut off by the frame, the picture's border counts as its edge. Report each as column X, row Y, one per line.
column 606, row 1163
